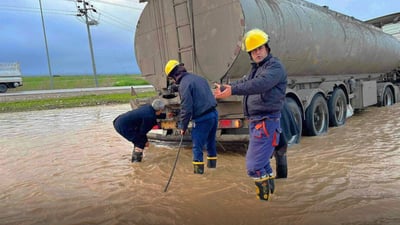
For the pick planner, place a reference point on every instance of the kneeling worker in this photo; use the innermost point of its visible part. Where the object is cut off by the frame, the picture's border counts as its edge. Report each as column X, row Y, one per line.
column 135, row 124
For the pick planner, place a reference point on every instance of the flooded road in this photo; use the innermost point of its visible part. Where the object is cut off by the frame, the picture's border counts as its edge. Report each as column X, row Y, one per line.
column 69, row 166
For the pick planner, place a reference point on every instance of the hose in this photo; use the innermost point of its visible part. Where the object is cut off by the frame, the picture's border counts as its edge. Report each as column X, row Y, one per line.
column 173, row 168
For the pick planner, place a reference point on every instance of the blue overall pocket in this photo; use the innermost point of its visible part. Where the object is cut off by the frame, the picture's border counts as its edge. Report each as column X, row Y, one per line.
column 260, row 129
column 269, row 129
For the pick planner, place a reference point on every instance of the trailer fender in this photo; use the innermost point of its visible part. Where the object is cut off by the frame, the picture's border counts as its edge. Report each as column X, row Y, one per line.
column 329, row 86
column 386, row 93
column 290, row 93
column 306, row 95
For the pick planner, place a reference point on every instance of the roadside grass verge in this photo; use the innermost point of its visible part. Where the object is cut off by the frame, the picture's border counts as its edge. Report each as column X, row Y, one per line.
column 68, row 82
column 70, row 102
column 78, row 81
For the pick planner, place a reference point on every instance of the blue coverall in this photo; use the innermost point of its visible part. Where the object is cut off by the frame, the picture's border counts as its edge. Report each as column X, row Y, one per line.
column 264, row 94
column 199, row 105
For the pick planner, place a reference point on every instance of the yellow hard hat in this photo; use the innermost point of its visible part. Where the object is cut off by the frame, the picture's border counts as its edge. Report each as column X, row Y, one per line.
column 253, row 39
column 171, row 64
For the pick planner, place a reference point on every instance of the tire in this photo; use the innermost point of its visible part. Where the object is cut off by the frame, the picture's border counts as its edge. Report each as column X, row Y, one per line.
column 337, row 106
column 3, row 88
column 387, row 98
column 298, row 118
column 317, row 119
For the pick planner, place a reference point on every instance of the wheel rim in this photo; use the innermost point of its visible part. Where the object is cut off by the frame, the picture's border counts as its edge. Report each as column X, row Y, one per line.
column 319, row 118
column 340, row 109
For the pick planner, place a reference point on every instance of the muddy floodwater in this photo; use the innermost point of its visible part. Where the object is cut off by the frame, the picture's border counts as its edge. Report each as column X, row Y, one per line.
column 69, row 166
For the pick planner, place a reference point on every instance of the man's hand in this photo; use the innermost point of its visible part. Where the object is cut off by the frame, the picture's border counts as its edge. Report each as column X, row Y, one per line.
column 222, row 91
column 182, row 132
column 146, row 145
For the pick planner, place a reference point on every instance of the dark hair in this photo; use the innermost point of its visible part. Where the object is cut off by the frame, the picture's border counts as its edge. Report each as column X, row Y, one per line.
column 177, row 70
column 266, row 46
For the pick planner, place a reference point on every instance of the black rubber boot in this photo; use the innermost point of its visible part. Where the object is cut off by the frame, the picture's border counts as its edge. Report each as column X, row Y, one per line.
column 137, row 156
column 198, row 167
column 265, row 187
column 211, row 162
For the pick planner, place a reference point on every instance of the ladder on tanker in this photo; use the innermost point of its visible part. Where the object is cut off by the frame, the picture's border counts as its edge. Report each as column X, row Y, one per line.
column 183, row 17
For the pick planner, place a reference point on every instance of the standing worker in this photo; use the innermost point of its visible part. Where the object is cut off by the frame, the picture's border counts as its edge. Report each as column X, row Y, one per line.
column 198, row 105
column 264, row 95
column 135, row 124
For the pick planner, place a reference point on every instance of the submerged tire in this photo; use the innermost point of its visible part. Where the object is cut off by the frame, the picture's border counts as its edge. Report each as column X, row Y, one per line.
column 316, row 121
column 297, row 114
column 387, row 98
column 337, row 106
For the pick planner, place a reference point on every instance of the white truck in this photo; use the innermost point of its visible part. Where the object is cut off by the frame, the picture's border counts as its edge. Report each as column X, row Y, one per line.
column 10, row 76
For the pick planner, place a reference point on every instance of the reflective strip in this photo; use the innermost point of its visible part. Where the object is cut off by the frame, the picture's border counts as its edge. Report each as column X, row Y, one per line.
column 264, row 178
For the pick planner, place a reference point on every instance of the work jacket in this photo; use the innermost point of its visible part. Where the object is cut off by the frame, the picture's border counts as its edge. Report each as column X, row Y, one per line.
column 196, row 96
column 264, row 88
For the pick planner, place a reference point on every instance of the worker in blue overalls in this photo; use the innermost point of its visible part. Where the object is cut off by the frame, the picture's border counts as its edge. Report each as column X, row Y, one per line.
column 264, row 95
column 199, row 106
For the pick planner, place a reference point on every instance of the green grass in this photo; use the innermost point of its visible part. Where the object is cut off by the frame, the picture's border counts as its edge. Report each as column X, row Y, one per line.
column 81, row 81
column 68, row 82
column 70, row 102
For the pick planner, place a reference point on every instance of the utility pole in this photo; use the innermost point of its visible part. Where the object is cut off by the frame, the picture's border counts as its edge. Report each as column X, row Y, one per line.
column 83, row 11
column 47, row 49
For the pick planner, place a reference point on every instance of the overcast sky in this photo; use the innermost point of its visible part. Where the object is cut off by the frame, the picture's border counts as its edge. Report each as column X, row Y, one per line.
column 22, row 37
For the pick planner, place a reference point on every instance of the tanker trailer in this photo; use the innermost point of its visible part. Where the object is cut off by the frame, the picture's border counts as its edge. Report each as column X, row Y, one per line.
column 336, row 64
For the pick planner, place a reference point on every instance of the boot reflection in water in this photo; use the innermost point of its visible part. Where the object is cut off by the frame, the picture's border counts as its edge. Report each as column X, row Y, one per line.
column 198, row 167
column 265, row 187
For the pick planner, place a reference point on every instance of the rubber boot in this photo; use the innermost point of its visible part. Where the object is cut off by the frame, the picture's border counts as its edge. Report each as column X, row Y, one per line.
column 137, row 154
column 211, row 162
column 265, row 187
column 198, row 167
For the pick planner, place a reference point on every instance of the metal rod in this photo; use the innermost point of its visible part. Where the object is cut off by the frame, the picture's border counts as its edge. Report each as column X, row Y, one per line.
column 173, row 168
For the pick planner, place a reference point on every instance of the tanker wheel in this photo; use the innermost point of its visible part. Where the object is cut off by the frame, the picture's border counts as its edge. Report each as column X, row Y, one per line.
column 387, row 98
column 317, row 120
column 3, row 88
column 295, row 109
column 337, row 106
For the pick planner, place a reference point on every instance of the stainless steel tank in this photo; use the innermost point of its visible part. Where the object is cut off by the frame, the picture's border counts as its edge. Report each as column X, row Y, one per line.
column 206, row 35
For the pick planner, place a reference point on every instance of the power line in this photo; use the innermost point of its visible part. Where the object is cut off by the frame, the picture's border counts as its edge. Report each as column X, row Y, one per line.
column 106, row 17
column 116, row 21
column 35, row 10
column 120, row 5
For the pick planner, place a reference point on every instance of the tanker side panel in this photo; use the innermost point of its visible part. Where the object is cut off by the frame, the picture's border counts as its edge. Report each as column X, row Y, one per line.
column 312, row 40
